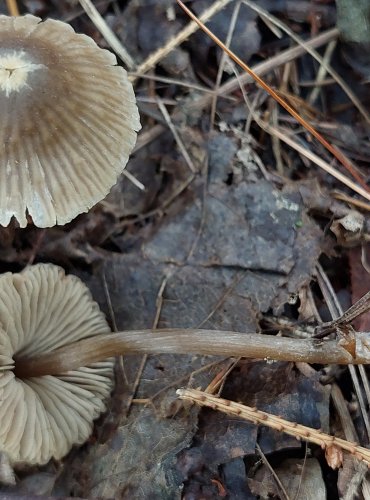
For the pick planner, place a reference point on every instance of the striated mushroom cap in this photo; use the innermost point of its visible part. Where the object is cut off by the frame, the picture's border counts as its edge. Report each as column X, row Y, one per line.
column 41, row 418
column 68, row 121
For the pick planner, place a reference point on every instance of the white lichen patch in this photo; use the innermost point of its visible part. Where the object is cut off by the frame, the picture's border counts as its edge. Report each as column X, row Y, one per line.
column 14, row 71
column 284, row 203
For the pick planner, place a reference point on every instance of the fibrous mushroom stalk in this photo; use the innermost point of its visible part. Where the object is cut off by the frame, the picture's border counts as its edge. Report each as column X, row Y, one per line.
column 192, row 341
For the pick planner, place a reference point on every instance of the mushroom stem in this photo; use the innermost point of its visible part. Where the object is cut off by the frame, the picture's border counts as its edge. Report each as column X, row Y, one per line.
column 189, row 341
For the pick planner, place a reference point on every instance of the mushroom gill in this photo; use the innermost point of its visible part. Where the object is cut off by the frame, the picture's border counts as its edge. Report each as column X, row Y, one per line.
column 41, row 418
column 68, row 121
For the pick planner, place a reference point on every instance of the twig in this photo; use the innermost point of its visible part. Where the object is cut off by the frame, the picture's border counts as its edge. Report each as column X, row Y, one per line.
column 133, row 180
column 321, row 74
column 342, row 409
column 361, row 306
column 220, row 71
column 107, row 33
column 273, row 473
column 177, row 81
column 159, row 303
column 146, row 137
column 217, row 383
column 12, row 7
column 230, row 289
column 275, row 141
column 299, row 431
column 350, row 434
column 121, row 364
column 350, row 200
column 160, row 210
column 191, row 28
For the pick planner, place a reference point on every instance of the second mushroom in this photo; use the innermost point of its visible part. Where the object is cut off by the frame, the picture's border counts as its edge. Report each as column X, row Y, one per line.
column 42, row 309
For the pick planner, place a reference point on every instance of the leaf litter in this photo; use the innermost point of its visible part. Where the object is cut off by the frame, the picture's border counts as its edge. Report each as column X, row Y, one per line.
column 219, row 248
column 226, row 259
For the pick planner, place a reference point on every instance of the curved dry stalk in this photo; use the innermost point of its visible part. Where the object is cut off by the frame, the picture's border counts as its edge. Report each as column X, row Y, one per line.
column 193, row 341
column 176, row 81
column 326, row 441
column 339, row 195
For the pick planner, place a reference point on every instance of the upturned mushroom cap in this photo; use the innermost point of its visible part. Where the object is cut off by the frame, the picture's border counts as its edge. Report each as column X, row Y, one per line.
column 41, row 418
column 68, row 121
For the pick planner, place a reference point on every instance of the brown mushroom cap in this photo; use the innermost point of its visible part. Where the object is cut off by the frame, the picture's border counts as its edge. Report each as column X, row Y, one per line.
column 68, row 121
column 41, row 418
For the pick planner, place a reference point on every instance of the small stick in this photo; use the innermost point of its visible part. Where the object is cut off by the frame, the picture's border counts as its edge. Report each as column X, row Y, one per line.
column 272, row 472
column 339, row 195
column 107, row 33
column 12, row 7
column 176, row 136
column 323, row 70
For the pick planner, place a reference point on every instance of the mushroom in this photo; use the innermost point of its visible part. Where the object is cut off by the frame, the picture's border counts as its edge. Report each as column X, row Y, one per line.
column 56, row 368
column 42, row 309
column 68, row 121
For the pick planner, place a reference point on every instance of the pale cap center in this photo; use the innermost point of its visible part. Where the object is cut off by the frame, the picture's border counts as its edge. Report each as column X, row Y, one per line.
column 14, row 71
